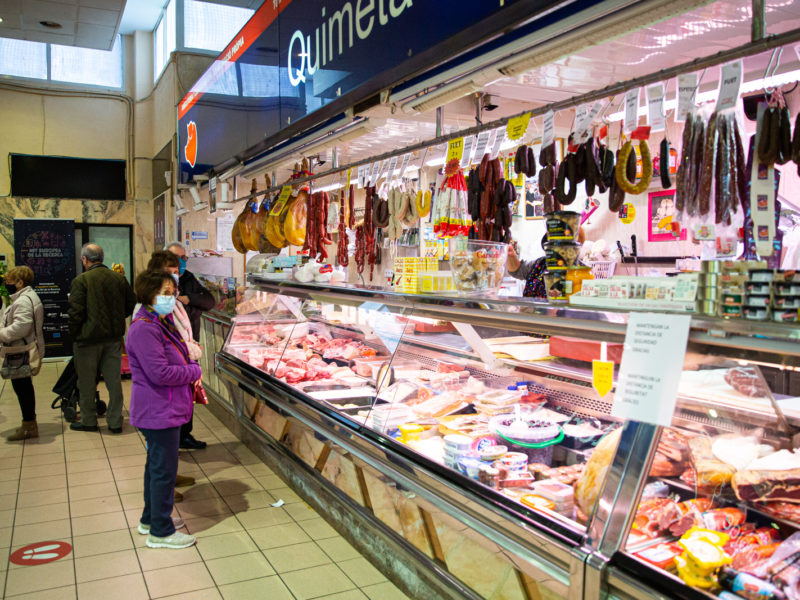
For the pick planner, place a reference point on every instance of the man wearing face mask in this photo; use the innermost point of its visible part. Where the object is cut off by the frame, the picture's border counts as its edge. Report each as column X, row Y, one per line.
column 99, row 302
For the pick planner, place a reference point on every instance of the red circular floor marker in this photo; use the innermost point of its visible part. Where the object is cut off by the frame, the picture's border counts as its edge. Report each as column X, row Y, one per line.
column 40, row 553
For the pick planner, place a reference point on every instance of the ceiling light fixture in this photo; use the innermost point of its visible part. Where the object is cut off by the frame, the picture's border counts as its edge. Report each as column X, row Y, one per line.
column 1, row 19
column 50, row 24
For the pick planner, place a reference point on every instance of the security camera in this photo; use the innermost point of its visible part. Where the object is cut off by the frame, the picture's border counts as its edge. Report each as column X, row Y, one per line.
column 489, row 102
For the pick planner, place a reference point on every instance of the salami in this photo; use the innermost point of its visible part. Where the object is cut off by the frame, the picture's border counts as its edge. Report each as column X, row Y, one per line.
column 663, row 164
column 708, row 170
column 616, row 195
column 682, row 176
column 784, row 136
column 721, row 171
column 695, row 165
column 566, row 173
column 344, row 240
column 769, row 129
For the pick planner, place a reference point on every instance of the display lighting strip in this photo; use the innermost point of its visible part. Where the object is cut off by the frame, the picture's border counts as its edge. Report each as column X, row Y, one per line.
column 698, row 64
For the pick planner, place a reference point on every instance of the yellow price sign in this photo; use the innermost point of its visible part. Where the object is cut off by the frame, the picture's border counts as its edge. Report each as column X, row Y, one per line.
column 286, row 192
column 455, row 149
column 349, row 172
column 627, row 213
column 517, row 126
column 602, row 376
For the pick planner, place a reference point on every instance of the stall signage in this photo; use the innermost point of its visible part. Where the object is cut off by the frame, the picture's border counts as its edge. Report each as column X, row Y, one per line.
column 361, row 170
column 286, row 192
column 602, row 376
column 469, row 142
column 627, row 213
column 499, row 138
column 480, row 145
column 293, row 58
column 652, row 362
column 392, row 166
column 199, row 235
column 455, row 149
column 517, row 126
column 548, row 128
column 631, row 109
column 687, row 89
column 349, row 173
column 655, row 107
column 730, row 81
column 404, row 165
column 373, row 173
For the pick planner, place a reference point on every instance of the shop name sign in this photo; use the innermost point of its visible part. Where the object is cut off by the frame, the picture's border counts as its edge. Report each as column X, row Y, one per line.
column 337, row 34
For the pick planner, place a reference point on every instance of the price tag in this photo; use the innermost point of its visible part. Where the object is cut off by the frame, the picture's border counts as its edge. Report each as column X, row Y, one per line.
column 349, row 172
column 730, row 81
column 517, row 126
column 498, row 141
column 467, row 154
column 603, row 372
column 548, row 128
column 286, row 192
column 404, row 165
column 687, row 88
column 361, row 175
column 652, row 362
column 631, row 109
column 384, row 168
column 392, row 166
column 480, row 145
column 585, row 129
column 373, row 174
column 580, row 118
column 655, row 107
column 455, row 149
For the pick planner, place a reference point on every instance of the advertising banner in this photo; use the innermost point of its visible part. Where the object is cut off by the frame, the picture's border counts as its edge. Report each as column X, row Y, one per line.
column 47, row 246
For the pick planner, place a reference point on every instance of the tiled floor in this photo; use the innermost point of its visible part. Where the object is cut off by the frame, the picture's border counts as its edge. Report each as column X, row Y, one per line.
column 86, row 489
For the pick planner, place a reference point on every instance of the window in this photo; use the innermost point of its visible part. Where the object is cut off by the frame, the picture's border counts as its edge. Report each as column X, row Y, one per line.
column 164, row 39
column 23, row 59
column 210, row 26
column 87, row 66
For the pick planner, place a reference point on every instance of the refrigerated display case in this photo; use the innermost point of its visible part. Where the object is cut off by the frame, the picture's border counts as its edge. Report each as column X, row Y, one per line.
column 469, row 429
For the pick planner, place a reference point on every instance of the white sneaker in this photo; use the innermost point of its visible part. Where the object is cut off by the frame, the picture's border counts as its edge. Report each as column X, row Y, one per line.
column 175, row 541
column 145, row 529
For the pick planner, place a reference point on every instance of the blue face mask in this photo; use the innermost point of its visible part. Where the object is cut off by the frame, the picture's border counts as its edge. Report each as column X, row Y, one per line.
column 182, row 268
column 164, row 305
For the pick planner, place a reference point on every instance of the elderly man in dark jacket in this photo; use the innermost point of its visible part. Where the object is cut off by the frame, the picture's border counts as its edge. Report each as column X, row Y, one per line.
column 99, row 302
column 197, row 299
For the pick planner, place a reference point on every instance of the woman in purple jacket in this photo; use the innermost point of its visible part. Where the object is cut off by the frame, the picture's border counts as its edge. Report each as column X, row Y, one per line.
column 161, row 401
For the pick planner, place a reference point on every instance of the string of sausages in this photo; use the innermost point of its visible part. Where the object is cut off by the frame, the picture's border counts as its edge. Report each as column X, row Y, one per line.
column 369, row 229
column 343, row 241
column 316, row 233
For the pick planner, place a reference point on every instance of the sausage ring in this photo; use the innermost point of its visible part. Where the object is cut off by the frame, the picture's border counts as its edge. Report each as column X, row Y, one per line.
column 566, row 172
column 647, row 169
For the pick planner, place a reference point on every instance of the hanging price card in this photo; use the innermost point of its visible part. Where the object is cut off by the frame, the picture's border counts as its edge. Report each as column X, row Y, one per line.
column 373, row 173
column 361, row 176
column 480, row 145
column 349, row 172
column 392, row 166
column 455, row 148
column 631, row 110
column 730, row 81
column 517, row 126
column 466, row 156
column 652, row 362
column 687, row 88
column 286, row 192
column 383, row 169
column 404, row 165
column 603, row 372
column 499, row 137
column 655, row 107
column 548, row 128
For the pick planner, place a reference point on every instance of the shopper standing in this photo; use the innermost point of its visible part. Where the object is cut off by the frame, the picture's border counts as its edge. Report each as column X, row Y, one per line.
column 196, row 299
column 162, row 375
column 99, row 302
column 21, row 324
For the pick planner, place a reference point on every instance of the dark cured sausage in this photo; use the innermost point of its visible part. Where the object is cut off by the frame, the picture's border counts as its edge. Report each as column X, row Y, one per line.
column 784, row 136
column 695, row 165
column 663, row 164
column 616, row 195
column 683, row 176
column 708, row 168
column 343, row 241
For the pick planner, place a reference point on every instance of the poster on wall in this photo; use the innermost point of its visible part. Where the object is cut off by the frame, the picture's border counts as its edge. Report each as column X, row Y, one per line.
column 660, row 212
column 47, row 246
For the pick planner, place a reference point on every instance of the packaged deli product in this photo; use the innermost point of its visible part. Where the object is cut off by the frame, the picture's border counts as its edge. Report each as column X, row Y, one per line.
column 561, row 255
column 563, row 225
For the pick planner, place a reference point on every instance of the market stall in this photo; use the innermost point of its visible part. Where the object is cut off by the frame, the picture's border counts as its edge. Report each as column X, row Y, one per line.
column 643, row 166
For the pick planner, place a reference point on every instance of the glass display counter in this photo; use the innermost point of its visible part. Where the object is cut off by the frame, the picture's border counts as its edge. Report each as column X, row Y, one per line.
column 452, row 418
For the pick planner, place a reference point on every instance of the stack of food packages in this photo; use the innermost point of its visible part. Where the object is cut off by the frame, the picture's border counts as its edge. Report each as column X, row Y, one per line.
column 420, row 275
column 564, row 275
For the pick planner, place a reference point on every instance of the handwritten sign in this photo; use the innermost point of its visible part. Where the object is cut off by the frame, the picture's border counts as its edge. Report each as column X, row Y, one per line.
column 392, row 166
column 455, row 148
column 631, row 109
column 548, row 128
column 687, row 88
column 466, row 156
column 652, row 361
column 499, row 138
column 517, row 126
column 655, row 107
column 730, row 81
column 404, row 165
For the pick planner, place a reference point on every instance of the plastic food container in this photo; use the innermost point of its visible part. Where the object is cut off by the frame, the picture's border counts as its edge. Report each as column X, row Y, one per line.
column 493, row 453
column 787, row 289
column 536, row 442
column 563, row 225
column 515, row 462
column 785, row 316
column 756, row 300
column 559, row 288
column 786, row 301
column 762, row 275
column 410, row 432
column 477, row 266
column 758, row 287
column 577, row 275
column 754, row 313
column 561, row 255
column 457, row 443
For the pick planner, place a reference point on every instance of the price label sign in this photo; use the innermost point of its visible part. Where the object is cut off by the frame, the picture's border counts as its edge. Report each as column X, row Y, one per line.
column 730, row 82
column 404, row 165
column 652, row 362
column 687, row 88
column 392, row 166
column 517, row 126
column 466, row 156
column 548, row 128
column 655, row 107
column 602, row 376
column 499, row 137
column 384, row 168
column 361, row 176
column 286, row 192
column 373, row 175
column 455, row 149
column 631, row 110
column 349, row 172
column 480, row 145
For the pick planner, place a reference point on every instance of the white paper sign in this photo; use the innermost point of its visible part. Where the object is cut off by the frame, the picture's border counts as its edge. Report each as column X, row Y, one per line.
column 392, row 166
column 384, row 168
column 548, row 128
column 373, row 173
column 652, row 362
column 404, row 164
column 730, row 81
column 466, row 156
column 500, row 136
column 631, row 110
column 687, row 88
column 584, row 130
column 224, row 230
column 480, row 145
column 655, row 107
column 361, row 175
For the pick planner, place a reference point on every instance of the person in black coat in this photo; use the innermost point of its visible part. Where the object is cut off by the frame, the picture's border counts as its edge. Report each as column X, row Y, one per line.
column 197, row 300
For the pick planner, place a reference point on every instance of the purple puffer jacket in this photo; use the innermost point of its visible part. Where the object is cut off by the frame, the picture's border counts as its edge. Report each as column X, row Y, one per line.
column 161, row 394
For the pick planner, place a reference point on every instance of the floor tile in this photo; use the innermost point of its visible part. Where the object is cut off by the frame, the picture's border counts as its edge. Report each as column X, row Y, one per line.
column 5, row 536
column 227, row 544
column 338, row 549
column 236, row 487
column 361, row 571
column 159, row 558
column 97, row 464
column 39, row 484
column 318, row 529
column 286, row 494
column 36, row 460
column 61, row 593
column 206, row 594
column 208, row 507
column 128, row 486
column 348, row 595
column 177, row 580
column 95, row 506
column 384, row 591
column 125, row 587
column 300, row 511
column 298, row 556
column 41, row 577
column 250, row 501
column 263, row 517
column 133, row 460
column 38, row 514
column 317, row 581
column 99, row 523
column 278, row 535
column 271, row 482
column 105, row 566
column 91, row 477
column 211, row 526
column 50, row 530
column 95, row 490
column 8, row 501
column 233, row 569
column 124, row 473
column 267, row 587
column 132, row 500
column 201, row 490
column 101, row 543
column 31, row 499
